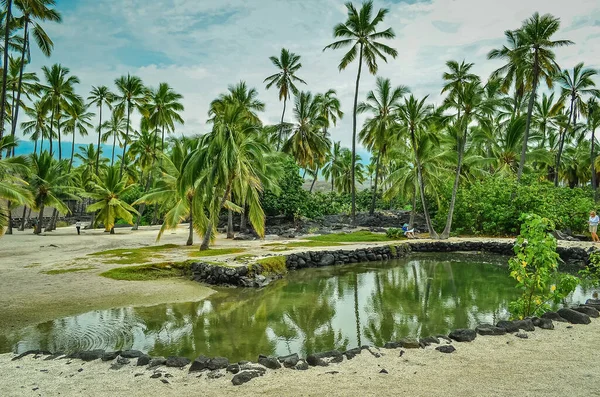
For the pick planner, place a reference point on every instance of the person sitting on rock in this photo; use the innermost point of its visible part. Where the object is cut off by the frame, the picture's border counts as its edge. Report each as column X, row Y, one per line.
column 593, row 222
column 410, row 233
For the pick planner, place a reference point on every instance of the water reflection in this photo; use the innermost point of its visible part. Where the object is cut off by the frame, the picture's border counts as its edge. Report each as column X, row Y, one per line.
column 311, row 310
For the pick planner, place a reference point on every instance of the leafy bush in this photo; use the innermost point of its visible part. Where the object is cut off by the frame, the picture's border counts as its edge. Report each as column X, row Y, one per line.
column 535, row 267
column 591, row 274
column 394, row 232
column 488, row 206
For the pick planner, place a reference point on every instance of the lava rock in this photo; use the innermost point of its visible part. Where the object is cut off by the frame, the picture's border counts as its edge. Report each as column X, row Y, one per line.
column 595, row 303
column 244, row 376
column 123, row 361
column 144, row 359
column 131, row 353
column 391, row 345
column 429, row 340
column 91, row 355
column 488, row 329
column 157, row 361
column 409, row 343
column 516, row 325
column 218, row 363
column 289, row 361
column 252, row 367
column 463, row 335
column 590, row 311
column 177, row 362
column 351, row 353
column 109, row 356
column 573, row 316
column 554, row 317
column 543, row 323
column 233, row 368
column 327, row 260
column 200, row 364
column 269, row 362
column 445, row 349
column 324, row 358
column 302, row 365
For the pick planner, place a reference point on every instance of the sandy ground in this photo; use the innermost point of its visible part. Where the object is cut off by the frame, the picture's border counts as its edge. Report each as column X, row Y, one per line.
column 562, row 362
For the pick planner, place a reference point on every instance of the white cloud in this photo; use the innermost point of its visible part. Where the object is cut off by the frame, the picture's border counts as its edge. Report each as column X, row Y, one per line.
column 200, row 47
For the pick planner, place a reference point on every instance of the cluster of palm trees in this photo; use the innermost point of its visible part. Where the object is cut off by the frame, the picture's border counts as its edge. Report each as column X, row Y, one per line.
column 505, row 125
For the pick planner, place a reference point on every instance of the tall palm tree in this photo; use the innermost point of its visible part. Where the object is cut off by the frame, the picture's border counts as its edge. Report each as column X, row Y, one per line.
column 100, row 96
column 58, row 93
column 38, row 125
column 163, row 109
column 108, row 191
column 33, row 12
column 377, row 131
column 574, row 86
column 457, row 76
column 332, row 169
column 344, row 182
column 306, row 143
column 132, row 95
column 143, row 149
column 288, row 64
column 77, row 122
column 242, row 95
column 534, row 53
column 115, row 128
column 13, row 189
column 360, row 32
column 593, row 111
column 7, row 27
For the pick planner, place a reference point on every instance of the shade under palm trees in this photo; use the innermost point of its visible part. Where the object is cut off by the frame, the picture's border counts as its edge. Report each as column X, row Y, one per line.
column 360, row 32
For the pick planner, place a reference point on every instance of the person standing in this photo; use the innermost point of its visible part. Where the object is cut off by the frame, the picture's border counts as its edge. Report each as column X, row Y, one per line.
column 78, row 226
column 593, row 222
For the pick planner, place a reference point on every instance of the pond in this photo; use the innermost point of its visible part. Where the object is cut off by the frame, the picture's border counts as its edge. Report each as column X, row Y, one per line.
column 309, row 310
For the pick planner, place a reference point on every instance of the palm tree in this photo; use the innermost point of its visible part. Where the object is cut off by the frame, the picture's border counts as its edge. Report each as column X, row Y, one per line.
column 108, row 190
column 288, row 64
column 37, row 126
column 306, row 143
column 242, row 95
column 50, row 183
column 32, row 13
column 360, row 32
column 132, row 95
column 58, row 93
column 163, row 109
column 7, row 27
column 415, row 118
column 344, row 182
column 13, row 189
column 115, row 128
column 144, row 150
column 574, row 86
column 77, row 122
column 377, row 131
column 332, row 169
column 593, row 111
column 534, row 54
column 100, row 96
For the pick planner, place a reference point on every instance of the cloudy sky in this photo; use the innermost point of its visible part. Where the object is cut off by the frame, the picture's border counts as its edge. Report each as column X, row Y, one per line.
column 201, row 46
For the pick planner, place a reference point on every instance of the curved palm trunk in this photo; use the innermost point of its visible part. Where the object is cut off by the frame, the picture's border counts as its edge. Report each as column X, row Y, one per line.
column 23, row 219
column 12, row 107
column 190, row 240
column 51, row 131
column 374, row 198
column 561, row 143
column 279, row 138
column 592, row 158
column 9, row 229
column 52, row 224
column 59, row 139
column 112, row 159
column 38, row 227
column 126, row 140
column 360, row 58
column 73, row 152
column 35, row 146
column 5, row 69
column 413, row 210
column 446, row 233
column 20, row 83
column 230, row 233
column 99, row 137
column 243, row 221
column 312, row 185
column 209, row 229
column 529, row 114
column 432, row 233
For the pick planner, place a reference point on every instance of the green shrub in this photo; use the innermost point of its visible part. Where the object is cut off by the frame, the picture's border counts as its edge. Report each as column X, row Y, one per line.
column 535, row 267
column 272, row 265
column 394, row 232
column 591, row 274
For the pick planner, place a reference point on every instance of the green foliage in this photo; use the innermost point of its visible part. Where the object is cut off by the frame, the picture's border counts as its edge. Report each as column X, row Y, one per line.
column 153, row 271
column 272, row 265
column 535, row 267
column 72, row 270
column 591, row 274
column 393, row 250
column 395, row 233
column 292, row 199
column 215, row 252
column 354, row 237
column 488, row 207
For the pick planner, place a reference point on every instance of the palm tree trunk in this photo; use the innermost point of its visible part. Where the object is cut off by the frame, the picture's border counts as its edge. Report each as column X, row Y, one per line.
column 432, row 232
column 230, row 233
column 73, row 152
column 99, row 137
column 413, row 210
column 51, row 131
column 356, row 309
column 143, row 205
column 529, row 114
column 20, row 83
column 279, row 138
column 190, row 240
column 592, row 158
column 304, row 174
column 446, row 233
column 112, row 160
column 5, row 69
column 243, row 221
column 9, row 229
column 312, row 185
column 126, row 140
column 374, row 198
column 561, row 142
column 35, row 146
column 12, row 107
column 38, row 227
column 206, row 238
column 209, row 229
column 354, row 136
column 23, row 219
column 59, row 138
column 52, row 224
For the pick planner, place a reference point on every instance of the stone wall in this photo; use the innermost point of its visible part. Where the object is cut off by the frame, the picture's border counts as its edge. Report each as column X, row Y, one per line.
column 251, row 275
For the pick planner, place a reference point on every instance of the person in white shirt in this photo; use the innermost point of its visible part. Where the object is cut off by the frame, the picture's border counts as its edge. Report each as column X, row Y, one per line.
column 78, row 226
column 593, row 222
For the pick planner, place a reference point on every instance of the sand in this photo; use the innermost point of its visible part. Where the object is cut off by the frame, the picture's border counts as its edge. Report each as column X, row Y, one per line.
column 559, row 362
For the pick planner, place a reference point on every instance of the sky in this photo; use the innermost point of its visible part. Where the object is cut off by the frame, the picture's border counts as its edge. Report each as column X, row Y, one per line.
column 200, row 47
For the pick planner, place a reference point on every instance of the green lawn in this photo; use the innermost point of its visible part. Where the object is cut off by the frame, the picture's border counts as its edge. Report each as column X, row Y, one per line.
column 362, row 236
column 62, row 271
column 154, row 271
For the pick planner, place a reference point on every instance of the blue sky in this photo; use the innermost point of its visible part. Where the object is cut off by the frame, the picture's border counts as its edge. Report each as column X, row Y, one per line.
column 201, row 46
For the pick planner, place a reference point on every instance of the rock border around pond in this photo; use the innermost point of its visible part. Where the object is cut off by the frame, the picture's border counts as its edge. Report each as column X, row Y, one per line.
column 256, row 275
column 244, row 371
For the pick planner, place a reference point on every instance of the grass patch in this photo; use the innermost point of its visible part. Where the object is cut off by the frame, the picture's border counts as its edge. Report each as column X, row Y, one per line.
column 272, row 265
column 393, row 250
column 32, row 265
column 72, row 270
column 215, row 252
column 362, row 236
column 245, row 257
column 154, row 271
column 130, row 256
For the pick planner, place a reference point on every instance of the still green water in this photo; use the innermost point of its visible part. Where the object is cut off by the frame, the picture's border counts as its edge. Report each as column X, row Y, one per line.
column 310, row 310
